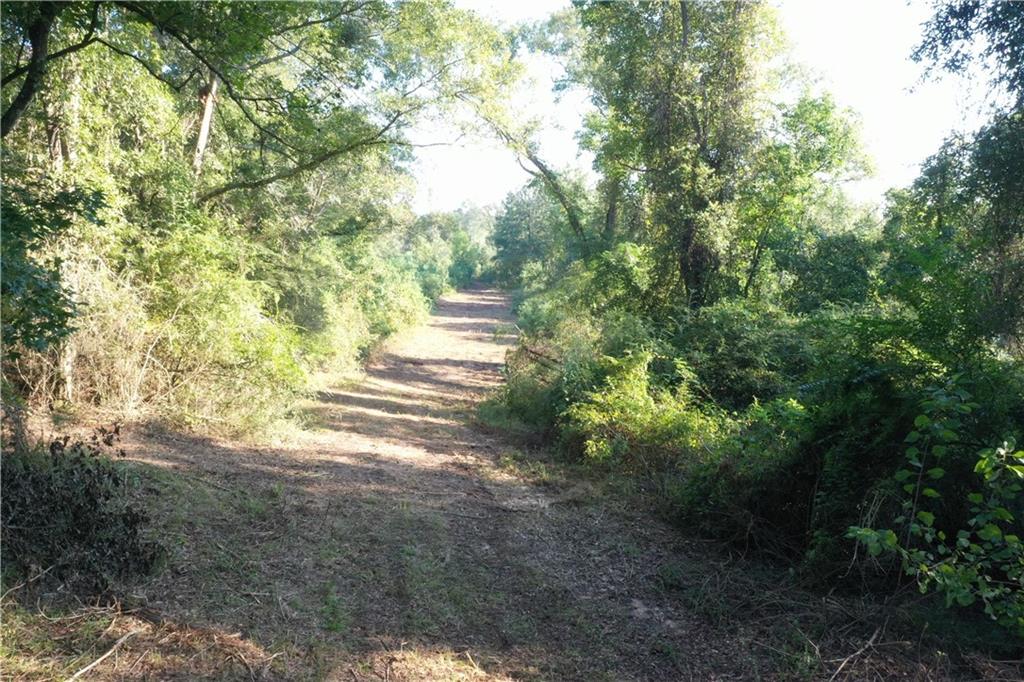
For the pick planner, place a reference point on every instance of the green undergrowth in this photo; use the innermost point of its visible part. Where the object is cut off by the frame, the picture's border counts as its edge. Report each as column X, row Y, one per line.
column 777, row 431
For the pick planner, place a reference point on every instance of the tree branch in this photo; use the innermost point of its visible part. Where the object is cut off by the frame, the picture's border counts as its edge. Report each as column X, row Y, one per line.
column 39, row 38
column 149, row 67
column 85, row 42
column 376, row 138
column 183, row 40
column 550, row 178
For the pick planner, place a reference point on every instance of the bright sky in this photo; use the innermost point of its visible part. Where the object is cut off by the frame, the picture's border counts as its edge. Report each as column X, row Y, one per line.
column 859, row 50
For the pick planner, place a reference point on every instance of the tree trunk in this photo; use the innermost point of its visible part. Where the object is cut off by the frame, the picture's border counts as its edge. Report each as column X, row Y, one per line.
column 207, row 96
column 68, row 354
column 755, row 262
column 39, row 39
column 53, row 137
column 57, row 134
column 611, row 216
column 555, row 185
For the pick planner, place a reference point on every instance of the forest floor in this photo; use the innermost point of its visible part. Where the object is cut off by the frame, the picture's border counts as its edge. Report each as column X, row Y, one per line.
column 398, row 538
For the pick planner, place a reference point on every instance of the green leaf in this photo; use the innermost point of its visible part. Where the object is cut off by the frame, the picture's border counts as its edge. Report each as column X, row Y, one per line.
column 930, row 492
column 927, row 518
column 1003, row 514
column 965, row 598
column 936, row 472
column 990, row 532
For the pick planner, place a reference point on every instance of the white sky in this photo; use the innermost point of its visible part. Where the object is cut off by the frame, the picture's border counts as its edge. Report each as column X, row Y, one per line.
column 859, row 50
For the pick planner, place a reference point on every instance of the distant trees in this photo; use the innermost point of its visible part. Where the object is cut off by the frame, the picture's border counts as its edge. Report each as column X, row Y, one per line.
column 698, row 153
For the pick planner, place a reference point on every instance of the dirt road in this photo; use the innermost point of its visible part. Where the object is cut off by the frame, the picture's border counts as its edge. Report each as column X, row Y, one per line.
column 394, row 540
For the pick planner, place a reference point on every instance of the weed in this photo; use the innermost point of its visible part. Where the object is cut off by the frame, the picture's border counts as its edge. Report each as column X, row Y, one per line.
column 334, row 612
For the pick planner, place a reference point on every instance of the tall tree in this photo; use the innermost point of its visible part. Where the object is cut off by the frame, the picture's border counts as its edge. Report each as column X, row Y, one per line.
column 678, row 87
column 990, row 34
column 306, row 82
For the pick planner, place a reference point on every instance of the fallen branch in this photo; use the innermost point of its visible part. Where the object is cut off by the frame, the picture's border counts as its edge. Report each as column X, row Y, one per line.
column 30, row 580
column 544, row 359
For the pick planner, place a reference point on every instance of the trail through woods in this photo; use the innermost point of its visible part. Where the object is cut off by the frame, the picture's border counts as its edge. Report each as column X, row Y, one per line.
column 396, row 538
column 393, row 539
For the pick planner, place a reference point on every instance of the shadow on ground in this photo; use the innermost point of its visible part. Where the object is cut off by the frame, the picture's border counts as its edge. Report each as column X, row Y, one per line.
column 390, row 542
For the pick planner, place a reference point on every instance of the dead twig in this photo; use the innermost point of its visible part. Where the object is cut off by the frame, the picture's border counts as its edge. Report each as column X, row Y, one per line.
column 855, row 654
column 265, row 665
column 102, row 658
column 240, row 657
column 137, row 661
column 30, row 580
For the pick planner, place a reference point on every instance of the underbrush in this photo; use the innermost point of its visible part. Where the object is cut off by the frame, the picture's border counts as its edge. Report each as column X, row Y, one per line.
column 181, row 333
column 69, row 516
column 779, row 432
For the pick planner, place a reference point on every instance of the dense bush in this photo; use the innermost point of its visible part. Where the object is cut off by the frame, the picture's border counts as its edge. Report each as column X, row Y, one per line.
column 959, row 528
column 641, row 427
column 778, row 421
column 68, row 511
column 36, row 307
column 744, row 351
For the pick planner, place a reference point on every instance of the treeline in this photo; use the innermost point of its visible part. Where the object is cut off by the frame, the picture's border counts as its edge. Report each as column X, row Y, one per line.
column 780, row 367
column 207, row 205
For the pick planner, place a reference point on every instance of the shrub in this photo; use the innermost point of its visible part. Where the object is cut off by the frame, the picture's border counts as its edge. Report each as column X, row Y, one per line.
column 36, row 306
column 744, row 351
column 430, row 259
column 392, row 298
column 469, row 259
column 980, row 559
column 756, row 487
column 67, row 510
column 640, row 427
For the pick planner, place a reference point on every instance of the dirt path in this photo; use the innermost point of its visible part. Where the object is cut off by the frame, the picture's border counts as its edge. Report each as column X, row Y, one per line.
column 393, row 540
column 390, row 542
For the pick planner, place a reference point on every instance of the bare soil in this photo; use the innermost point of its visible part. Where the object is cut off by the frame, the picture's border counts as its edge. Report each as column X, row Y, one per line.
column 396, row 539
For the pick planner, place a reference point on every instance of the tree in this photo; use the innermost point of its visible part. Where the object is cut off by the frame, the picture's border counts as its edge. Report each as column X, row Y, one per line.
column 816, row 146
column 307, row 82
column 965, row 32
column 678, row 88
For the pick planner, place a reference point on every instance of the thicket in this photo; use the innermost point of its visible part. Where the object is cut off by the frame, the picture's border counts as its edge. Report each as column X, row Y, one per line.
column 69, row 515
column 782, row 368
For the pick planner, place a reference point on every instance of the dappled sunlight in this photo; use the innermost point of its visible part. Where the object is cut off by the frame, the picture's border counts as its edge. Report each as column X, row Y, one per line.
column 387, row 541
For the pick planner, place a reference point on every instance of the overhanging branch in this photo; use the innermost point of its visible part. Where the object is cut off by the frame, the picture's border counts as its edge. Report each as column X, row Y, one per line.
column 89, row 39
column 377, row 138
